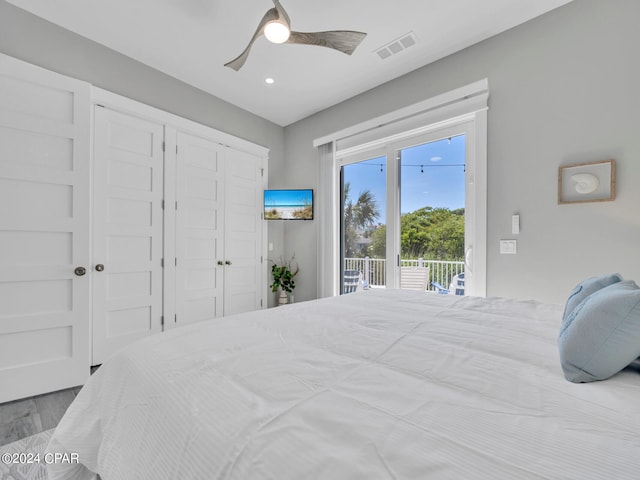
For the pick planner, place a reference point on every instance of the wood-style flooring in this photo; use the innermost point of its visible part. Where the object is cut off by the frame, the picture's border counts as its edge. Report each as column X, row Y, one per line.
column 22, row 418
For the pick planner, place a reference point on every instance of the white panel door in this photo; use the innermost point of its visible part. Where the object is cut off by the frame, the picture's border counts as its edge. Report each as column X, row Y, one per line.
column 128, row 236
column 44, row 230
column 199, row 229
column 243, row 240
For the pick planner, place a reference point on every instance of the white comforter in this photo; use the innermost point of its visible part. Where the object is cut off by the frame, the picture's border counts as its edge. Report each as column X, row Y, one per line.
column 382, row 384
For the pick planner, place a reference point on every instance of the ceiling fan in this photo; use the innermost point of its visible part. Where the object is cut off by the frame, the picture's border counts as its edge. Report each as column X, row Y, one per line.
column 276, row 26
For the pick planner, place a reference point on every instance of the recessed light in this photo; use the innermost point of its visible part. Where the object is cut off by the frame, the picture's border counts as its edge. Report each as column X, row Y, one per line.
column 269, row 81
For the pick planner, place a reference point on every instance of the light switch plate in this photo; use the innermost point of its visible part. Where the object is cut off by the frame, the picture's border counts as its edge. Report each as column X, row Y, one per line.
column 515, row 224
column 508, row 246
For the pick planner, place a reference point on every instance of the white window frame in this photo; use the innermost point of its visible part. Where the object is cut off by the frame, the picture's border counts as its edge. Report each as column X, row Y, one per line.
column 463, row 107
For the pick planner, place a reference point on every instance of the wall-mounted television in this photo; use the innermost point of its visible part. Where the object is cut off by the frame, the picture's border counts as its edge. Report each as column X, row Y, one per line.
column 293, row 204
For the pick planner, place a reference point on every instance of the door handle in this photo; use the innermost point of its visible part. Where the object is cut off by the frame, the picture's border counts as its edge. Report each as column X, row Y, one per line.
column 220, row 262
column 99, row 267
column 227, row 262
column 468, row 256
column 80, row 271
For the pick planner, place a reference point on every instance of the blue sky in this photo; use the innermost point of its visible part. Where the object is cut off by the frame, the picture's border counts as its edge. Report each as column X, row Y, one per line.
column 431, row 175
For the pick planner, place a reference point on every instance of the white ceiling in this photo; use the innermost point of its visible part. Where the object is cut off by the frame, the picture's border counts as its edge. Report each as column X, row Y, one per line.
column 192, row 39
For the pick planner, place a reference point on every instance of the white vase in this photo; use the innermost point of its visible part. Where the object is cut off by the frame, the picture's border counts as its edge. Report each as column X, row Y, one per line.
column 283, row 299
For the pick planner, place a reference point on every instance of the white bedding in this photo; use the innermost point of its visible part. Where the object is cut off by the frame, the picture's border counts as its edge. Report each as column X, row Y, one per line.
column 382, row 384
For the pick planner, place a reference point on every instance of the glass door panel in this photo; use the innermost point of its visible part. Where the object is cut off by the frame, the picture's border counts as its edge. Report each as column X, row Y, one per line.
column 432, row 208
column 363, row 224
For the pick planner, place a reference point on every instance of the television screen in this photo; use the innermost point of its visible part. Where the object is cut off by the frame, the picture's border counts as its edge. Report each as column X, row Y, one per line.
column 288, row 204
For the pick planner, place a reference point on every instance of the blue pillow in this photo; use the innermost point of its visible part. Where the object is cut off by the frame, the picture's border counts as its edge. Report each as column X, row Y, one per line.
column 586, row 288
column 601, row 336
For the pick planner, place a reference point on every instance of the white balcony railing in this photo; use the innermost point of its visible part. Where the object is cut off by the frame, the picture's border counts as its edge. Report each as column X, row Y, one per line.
column 374, row 269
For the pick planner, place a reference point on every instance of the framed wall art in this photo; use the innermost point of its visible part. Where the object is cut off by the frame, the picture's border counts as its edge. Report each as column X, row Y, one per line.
column 587, row 182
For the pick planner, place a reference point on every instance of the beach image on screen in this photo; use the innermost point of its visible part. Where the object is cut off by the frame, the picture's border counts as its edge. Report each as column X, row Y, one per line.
column 288, row 204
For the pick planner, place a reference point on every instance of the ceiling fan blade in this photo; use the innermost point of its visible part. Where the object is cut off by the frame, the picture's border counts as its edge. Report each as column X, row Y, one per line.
column 282, row 12
column 345, row 41
column 238, row 62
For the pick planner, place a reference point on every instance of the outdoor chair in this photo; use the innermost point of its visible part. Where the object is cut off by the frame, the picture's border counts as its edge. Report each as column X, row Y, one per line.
column 414, row 278
column 351, row 281
column 440, row 289
column 457, row 284
column 455, row 288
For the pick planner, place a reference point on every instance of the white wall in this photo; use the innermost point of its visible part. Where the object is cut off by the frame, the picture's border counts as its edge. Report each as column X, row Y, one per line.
column 29, row 38
column 563, row 89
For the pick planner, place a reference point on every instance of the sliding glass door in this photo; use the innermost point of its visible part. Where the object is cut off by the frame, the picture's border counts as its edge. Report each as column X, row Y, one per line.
column 403, row 214
column 363, row 242
column 432, row 214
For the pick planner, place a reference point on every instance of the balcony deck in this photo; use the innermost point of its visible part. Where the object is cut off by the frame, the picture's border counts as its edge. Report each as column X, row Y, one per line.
column 374, row 270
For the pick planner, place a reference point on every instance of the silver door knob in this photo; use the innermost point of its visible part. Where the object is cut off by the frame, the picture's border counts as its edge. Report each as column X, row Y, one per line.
column 99, row 267
column 80, row 271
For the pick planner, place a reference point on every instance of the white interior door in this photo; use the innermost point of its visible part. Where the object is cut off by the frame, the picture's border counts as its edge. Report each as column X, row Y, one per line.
column 243, row 240
column 199, row 234
column 128, row 246
column 44, row 230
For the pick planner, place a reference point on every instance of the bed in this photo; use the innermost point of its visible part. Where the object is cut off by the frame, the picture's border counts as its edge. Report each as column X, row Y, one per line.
column 380, row 384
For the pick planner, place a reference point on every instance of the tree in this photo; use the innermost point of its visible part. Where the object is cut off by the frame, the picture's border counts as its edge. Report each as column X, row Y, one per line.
column 434, row 234
column 359, row 217
column 378, row 247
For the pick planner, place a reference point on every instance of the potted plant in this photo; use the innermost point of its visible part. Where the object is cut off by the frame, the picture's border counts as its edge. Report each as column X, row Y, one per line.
column 283, row 279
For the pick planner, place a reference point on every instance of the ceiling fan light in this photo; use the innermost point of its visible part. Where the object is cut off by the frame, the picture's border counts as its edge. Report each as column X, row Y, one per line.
column 276, row 32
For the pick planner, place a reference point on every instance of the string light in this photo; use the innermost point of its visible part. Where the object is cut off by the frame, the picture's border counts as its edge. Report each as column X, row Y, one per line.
column 421, row 165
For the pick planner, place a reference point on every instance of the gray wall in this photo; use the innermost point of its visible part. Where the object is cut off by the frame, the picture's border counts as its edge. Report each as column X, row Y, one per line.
column 39, row 42
column 563, row 89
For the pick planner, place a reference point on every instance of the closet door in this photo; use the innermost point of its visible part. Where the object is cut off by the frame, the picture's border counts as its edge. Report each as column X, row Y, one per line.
column 127, row 234
column 243, row 240
column 200, row 261
column 44, row 231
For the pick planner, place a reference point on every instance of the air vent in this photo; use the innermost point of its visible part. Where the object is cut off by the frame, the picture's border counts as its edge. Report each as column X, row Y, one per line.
column 397, row 45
